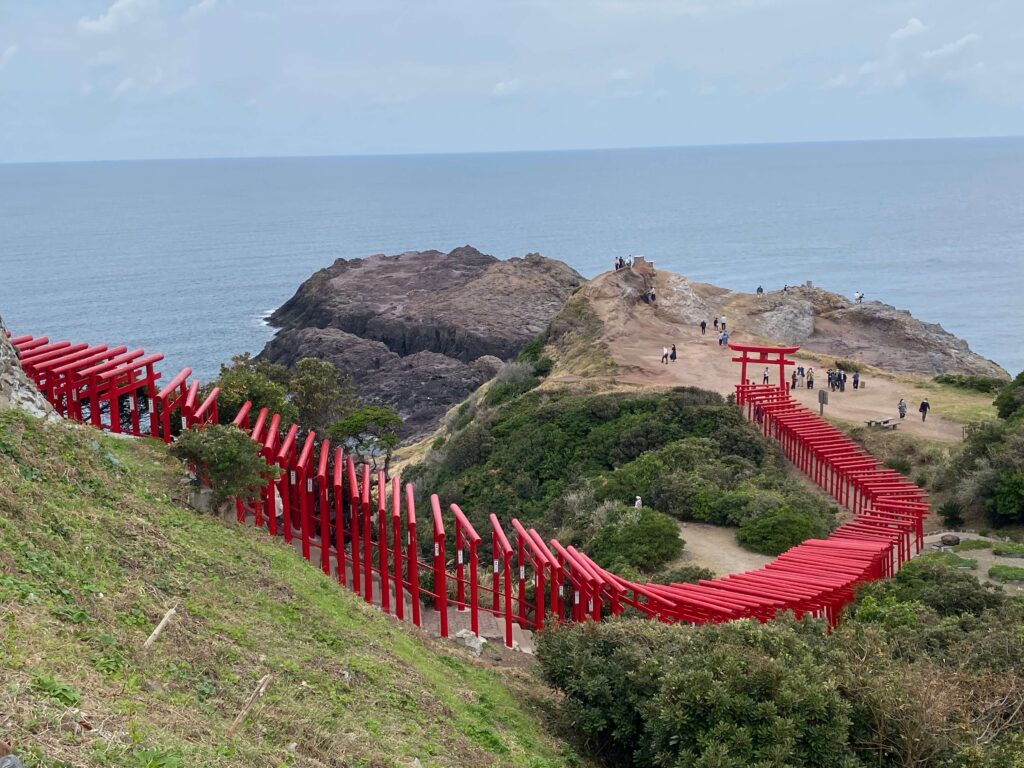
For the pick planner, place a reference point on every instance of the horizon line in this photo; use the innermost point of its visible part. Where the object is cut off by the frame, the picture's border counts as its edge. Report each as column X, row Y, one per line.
column 371, row 155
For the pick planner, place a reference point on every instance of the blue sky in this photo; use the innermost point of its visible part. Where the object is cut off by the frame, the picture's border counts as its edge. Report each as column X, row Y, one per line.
column 113, row 79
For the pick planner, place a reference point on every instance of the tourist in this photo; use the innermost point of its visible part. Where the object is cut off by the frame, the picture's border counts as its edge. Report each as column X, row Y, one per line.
column 725, row 338
column 672, row 354
column 703, row 327
column 901, row 406
column 842, row 381
column 652, row 296
column 760, row 291
column 793, row 384
column 721, row 322
column 765, row 376
column 856, row 379
column 664, row 355
column 638, row 503
column 810, row 378
column 924, row 408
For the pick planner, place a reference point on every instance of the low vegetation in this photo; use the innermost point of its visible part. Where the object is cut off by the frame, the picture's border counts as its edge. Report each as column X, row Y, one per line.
column 567, row 463
column 927, row 670
column 985, row 384
column 95, row 547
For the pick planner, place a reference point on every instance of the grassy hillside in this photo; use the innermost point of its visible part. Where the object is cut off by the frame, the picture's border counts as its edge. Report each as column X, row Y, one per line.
column 94, row 548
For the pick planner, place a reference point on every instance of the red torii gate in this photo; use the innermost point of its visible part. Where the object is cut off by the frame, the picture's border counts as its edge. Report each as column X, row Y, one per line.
column 766, row 356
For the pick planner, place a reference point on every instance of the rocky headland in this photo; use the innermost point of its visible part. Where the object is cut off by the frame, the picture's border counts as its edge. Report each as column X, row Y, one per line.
column 421, row 330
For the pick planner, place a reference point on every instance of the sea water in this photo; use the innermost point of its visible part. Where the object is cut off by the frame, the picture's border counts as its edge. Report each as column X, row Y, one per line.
column 188, row 257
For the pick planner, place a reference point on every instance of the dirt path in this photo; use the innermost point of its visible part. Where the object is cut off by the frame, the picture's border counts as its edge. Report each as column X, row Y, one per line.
column 715, row 547
column 635, row 342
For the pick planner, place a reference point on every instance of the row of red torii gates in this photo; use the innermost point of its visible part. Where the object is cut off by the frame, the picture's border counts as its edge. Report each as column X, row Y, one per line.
column 362, row 527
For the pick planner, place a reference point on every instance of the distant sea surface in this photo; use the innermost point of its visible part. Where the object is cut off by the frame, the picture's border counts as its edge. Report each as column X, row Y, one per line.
column 187, row 257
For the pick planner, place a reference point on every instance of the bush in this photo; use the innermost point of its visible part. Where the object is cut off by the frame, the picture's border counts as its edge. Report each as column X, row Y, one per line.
column 1010, row 400
column 263, row 384
column 641, row 538
column 683, row 574
column 730, row 695
column 531, row 352
column 1006, row 573
column 952, row 514
column 322, row 394
column 227, row 459
column 779, row 529
column 512, row 380
column 543, row 367
column 984, row 384
column 1008, row 549
column 900, row 464
column 848, row 365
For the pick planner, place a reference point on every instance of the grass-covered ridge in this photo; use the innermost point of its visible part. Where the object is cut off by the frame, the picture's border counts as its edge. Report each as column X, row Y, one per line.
column 570, row 463
column 94, row 548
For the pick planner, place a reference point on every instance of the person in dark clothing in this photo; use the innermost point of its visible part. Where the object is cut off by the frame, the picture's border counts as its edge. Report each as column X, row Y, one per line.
column 924, row 408
column 810, row 378
column 703, row 327
column 672, row 354
column 793, row 382
column 856, row 380
column 842, row 381
column 716, row 322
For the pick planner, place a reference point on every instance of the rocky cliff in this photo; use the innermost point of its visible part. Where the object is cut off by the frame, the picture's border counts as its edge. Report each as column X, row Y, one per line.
column 16, row 391
column 411, row 329
column 826, row 322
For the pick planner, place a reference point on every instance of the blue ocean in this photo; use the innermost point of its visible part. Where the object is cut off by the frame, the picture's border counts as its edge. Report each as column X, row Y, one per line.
column 187, row 257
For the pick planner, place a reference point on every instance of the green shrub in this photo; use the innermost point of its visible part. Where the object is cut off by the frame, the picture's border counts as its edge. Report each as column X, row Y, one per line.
column 227, row 459
column 532, row 350
column 1006, row 573
column 1010, row 400
column 543, row 367
column 972, row 545
column 263, row 384
column 849, row 366
column 984, row 384
column 731, row 695
column 779, row 529
column 683, row 574
column 641, row 538
column 900, row 464
column 952, row 514
column 1009, row 549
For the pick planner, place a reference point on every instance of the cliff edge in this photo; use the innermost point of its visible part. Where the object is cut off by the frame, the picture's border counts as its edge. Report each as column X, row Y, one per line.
column 411, row 329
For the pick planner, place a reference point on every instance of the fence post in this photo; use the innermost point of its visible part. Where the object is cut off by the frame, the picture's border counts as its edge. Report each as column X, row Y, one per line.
column 325, row 516
column 412, row 554
column 382, row 543
column 353, row 516
column 339, row 513
column 440, row 577
column 396, row 545
column 367, row 531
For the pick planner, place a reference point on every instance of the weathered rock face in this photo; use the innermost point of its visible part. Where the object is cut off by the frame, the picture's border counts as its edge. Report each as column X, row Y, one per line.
column 409, row 328
column 821, row 321
column 16, row 391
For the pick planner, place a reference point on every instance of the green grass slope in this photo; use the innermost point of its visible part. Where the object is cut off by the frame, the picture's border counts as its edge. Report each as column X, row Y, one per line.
column 94, row 549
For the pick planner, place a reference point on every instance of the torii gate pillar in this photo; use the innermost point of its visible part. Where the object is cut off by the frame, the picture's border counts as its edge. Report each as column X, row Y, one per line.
column 761, row 356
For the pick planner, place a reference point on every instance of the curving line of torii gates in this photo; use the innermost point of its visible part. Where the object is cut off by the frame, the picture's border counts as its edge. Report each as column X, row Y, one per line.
column 365, row 527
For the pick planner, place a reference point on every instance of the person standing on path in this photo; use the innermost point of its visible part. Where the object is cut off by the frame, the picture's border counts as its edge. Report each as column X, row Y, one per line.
column 901, row 406
column 703, row 327
column 664, row 355
column 810, row 378
column 716, row 322
column 856, row 379
column 765, row 376
column 672, row 354
column 924, row 408
column 721, row 322
column 793, row 383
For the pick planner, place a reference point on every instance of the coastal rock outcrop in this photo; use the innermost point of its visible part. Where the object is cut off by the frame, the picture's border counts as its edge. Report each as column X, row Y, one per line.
column 821, row 321
column 410, row 329
column 16, row 391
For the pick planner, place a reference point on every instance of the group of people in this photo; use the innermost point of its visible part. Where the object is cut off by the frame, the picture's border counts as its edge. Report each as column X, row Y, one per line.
column 621, row 263
column 837, row 379
column 802, row 377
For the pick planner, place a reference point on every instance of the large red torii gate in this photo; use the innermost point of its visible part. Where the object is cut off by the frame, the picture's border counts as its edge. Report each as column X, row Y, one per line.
column 766, row 356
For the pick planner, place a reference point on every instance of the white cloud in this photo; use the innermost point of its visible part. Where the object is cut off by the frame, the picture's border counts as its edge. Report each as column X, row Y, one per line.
column 120, row 14
column 8, row 53
column 912, row 28
column 201, row 8
column 952, row 49
column 122, row 88
column 507, row 87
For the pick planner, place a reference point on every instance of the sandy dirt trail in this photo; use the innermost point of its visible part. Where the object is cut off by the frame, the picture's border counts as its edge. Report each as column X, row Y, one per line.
column 635, row 343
